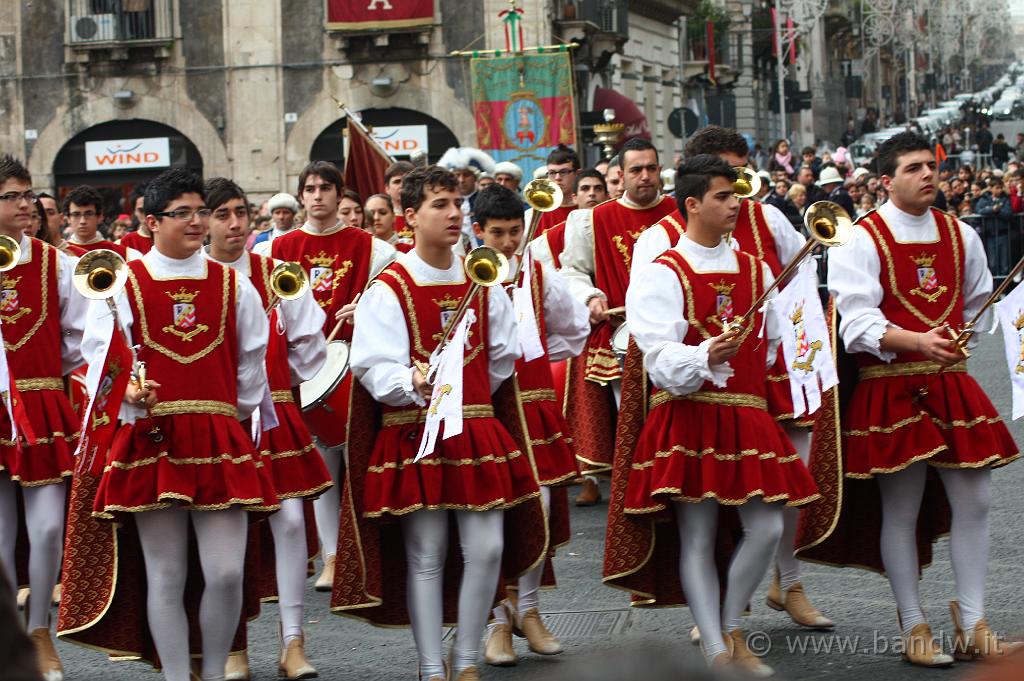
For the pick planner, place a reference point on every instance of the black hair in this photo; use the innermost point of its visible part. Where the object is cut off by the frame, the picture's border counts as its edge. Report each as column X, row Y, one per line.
column 43, row 232
column 168, row 186
column 890, row 150
column 397, row 168
column 83, row 196
column 45, row 195
column 11, row 167
column 590, row 172
column 325, row 170
column 352, row 195
column 497, row 202
column 808, row 150
column 635, row 144
column 416, row 183
column 220, row 190
column 384, row 197
column 714, row 139
column 138, row 192
column 563, row 154
column 693, row 177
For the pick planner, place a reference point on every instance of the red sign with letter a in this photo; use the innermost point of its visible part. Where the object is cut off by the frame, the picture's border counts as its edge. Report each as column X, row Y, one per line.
column 376, row 14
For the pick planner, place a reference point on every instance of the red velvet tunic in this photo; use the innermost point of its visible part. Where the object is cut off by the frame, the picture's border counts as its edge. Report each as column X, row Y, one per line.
column 550, row 437
column 297, row 468
column 192, row 450
column 403, row 230
column 887, row 426
column 120, row 249
column 338, row 265
column 30, row 310
column 135, row 240
column 479, row 469
column 553, row 218
column 556, row 242
column 718, row 443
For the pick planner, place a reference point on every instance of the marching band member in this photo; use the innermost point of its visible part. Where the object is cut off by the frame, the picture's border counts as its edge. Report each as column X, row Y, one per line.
column 393, row 177
column 476, row 476
column 83, row 208
column 380, row 222
column 43, row 320
column 295, row 353
column 563, row 326
column 590, row 190
column 763, row 231
column 708, row 444
column 183, row 457
column 339, row 261
column 283, row 208
column 563, row 166
column 596, row 261
column 908, row 275
column 140, row 239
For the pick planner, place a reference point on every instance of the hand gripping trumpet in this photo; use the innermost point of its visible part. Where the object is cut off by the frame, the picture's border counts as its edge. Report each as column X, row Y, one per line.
column 829, row 225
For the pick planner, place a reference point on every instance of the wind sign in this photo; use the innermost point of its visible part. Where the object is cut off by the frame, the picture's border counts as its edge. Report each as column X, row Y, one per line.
column 149, row 152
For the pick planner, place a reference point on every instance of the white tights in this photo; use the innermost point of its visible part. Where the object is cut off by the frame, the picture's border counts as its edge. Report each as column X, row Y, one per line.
column 529, row 584
column 425, row 535
column 969, row 494
column 221, row 537
column 44, row 519
column 326, row 506
column 785, row 559
column 288, row 526
column 698, row 523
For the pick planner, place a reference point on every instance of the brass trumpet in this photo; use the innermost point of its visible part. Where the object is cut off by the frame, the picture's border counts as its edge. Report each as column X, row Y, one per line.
column 10, row 253
column 829, row 225
column 543, row 196
column 100, row 274
column 288, row 281
column 747, row 184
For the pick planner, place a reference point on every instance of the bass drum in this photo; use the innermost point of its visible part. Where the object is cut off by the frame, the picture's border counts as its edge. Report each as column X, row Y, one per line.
column 325, row 398
column 620, row 343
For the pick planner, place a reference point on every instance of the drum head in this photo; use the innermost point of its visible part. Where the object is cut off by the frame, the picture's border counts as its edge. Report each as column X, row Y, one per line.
column 620, row 338
column 327, row 379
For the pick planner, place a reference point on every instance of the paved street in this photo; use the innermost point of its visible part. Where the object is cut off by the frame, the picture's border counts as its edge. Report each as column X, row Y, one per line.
column 605, row 640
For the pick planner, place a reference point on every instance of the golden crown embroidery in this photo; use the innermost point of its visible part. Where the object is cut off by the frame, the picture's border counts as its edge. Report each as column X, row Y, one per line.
column 324, row 277
column 10, row 309
column 186, row 326
column 724, row 309
column 928, row 286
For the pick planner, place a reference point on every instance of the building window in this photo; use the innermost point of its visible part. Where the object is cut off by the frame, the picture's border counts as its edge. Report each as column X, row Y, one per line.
column 97, row 22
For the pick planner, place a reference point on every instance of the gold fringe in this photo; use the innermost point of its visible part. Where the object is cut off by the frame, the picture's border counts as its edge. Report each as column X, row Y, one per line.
column 907, row 369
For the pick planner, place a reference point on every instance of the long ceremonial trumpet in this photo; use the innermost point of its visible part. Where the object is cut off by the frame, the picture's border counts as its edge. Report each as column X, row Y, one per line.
column 747, row 184
column 100, row 275
column 288, row 281
column 829, row 225
column 544, row 196
column 10, row 253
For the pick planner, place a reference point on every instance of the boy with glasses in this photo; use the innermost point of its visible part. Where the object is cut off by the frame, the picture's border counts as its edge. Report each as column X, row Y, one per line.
column 83, row 208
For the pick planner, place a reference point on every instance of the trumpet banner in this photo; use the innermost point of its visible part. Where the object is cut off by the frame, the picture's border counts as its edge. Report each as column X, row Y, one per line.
column 524, row 107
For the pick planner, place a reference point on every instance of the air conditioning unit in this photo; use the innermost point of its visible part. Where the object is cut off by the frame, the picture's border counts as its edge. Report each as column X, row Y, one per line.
column 93, row 28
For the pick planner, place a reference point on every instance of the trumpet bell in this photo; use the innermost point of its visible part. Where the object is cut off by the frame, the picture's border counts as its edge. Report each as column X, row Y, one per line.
column 828, row 223
column 100, row 274
column 485, row 266
column 747, row 184
column 10, row 253
column 543, row 195
column 289, row 281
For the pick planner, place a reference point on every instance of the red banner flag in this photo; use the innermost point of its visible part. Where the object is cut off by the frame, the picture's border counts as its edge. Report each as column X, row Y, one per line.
column 375, row 14
column 709, row 30
column 365, row 163
column 108, row 389
column 792, row 45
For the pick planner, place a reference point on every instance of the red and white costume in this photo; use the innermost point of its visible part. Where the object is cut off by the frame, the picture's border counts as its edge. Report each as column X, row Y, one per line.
column 99, row 242
column 142, row 243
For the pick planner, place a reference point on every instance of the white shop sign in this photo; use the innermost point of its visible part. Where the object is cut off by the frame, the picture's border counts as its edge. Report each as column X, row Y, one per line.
column 401, row 140
column 149, row 152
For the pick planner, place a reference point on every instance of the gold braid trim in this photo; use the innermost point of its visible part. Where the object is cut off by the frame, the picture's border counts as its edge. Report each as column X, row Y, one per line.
column 718, row 456
column 708, row 397
column 677, row 495
column 755, row 268
column 194, row 407
column 409, row 416
column 31, row 384
column 186, row 461
column 538, row 395
column 44, row 305
column 547, row 441
column 907, row 369
column 282, row 397
column 437, row 461
column 910, row 420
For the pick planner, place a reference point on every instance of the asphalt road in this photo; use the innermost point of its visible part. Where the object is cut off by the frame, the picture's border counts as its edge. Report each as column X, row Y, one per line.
column 606, row 640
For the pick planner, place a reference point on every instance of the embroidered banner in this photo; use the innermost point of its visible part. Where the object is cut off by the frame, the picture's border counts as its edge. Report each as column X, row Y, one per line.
column 524, row 107
column 373, row 14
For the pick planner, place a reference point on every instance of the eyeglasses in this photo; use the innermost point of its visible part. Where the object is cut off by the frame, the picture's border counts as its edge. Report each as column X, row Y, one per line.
column 78, row 215
column 563, row 172
column 185, row 214
column 225, row 213
column 15, row 197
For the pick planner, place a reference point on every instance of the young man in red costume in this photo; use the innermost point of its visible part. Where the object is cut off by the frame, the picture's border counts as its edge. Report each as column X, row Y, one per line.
column 590, row 190
column 762, row 231
column 140, row 239
column 909, row 274
column 563, row 165
column 340, row 261
column 183, row 456
column 83, row 208
column 393, row 177
column 708, row 443
column 561, row 328
column 43, row 319
column 476, row 476
column 295, row 353
column 596, row 261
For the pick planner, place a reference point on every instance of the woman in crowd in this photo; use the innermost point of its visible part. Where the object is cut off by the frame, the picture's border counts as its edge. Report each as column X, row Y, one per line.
column 782, row 159
column 350, row 210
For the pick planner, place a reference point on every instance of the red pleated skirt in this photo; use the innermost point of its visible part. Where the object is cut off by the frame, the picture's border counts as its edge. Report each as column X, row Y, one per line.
column 297, row 469
column 50, row 458
column 551, row 443
column 202, row 462
column 477, row 470
column 888, row 427
column 691, row 451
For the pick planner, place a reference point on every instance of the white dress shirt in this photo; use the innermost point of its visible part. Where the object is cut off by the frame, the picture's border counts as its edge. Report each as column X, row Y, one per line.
column 251, row 330
column 567, row 320
column 656, row 310
column 855, row 278
column 380, row 343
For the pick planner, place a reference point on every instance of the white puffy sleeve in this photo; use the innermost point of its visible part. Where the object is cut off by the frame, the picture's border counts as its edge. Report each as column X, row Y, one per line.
column 307, row 347
column 252, row 331
column 567, row 319
column 503, row 338
column 578, row 256
column 99, row 324
column 653, row 242
column 977, row 279
column 73, row 312
column 383, row 255
column 540, row 249
column 854, row 280
column 380, row 348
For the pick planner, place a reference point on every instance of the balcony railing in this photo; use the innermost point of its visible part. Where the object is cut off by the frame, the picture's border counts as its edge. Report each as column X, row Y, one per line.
column 99, row 22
